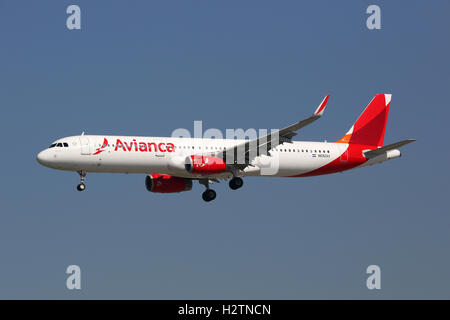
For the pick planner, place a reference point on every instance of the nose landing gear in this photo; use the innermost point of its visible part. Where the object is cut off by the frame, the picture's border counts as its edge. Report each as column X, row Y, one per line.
column 81, row 186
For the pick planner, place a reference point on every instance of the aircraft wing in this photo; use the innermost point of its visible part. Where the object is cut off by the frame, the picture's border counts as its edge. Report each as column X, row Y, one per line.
column 381, row 150
column 244, row 153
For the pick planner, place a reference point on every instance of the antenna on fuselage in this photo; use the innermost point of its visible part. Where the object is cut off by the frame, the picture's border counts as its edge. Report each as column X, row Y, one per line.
column 82, row 133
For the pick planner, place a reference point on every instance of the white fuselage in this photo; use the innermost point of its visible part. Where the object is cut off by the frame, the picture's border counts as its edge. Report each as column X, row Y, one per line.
column 164, row 155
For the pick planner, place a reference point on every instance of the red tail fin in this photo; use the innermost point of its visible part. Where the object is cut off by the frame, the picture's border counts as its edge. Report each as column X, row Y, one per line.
column 370, row 127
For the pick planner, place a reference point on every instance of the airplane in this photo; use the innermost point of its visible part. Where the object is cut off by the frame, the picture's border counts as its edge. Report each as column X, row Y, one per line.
column 171, row 164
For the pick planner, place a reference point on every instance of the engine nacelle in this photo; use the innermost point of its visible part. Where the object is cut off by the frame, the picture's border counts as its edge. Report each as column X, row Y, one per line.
column 197, row 164
column 164, row 183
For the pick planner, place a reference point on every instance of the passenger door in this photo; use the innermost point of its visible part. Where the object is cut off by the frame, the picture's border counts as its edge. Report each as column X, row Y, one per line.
column 85, row 145
column 344, row 152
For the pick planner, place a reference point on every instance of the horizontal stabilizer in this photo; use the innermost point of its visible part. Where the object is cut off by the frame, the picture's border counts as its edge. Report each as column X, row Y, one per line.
column 376, row 152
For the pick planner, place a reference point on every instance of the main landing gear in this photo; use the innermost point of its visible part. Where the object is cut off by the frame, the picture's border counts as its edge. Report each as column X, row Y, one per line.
column 236, row 183
column 209, row 194
column 81, row 186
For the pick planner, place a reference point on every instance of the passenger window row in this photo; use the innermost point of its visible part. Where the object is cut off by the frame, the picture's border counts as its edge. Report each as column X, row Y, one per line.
column 302, row 150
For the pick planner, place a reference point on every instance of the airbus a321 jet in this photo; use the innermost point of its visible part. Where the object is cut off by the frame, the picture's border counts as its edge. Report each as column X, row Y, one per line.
column 171, row 164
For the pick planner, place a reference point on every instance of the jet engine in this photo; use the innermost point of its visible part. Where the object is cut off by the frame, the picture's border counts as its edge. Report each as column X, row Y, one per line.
column 198, row 164
column 164, row 183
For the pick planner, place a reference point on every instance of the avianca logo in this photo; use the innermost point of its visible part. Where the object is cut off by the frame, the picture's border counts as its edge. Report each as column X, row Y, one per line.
column 137, row 146
column 144, row 146
column 102, row 148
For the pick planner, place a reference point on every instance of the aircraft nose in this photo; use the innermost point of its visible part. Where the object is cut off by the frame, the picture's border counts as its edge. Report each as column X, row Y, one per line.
column 43, row 158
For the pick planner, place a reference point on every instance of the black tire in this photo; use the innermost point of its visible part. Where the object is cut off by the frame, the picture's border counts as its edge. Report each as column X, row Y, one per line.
column 209, row 195
column 81, row 187
column 236, row 183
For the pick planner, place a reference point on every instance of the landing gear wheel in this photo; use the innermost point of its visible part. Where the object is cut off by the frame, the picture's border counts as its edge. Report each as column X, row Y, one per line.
column 209, row 195
column 81, row 187
column 236, row 183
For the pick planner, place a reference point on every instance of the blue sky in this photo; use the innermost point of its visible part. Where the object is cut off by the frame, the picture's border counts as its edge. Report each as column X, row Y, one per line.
column 146, row 68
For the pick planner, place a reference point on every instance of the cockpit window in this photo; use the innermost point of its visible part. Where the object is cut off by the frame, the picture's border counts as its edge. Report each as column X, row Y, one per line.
column 52, row 145
column 65, row 144
column 59, row 144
